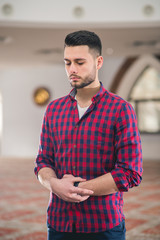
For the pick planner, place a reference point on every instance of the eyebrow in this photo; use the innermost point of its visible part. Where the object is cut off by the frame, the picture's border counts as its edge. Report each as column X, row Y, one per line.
column 77, row 59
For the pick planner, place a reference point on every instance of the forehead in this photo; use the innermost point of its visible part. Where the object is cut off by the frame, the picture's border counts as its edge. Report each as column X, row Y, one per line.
column 76, row 52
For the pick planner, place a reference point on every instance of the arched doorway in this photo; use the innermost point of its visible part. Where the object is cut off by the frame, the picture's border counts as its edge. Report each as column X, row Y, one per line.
column 140, row 85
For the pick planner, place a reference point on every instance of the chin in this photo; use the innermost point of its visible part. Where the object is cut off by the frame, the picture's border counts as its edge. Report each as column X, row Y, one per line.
column 76, row 85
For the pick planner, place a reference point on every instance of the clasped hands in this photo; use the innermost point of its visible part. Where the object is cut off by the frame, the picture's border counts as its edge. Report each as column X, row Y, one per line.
column 64, row 188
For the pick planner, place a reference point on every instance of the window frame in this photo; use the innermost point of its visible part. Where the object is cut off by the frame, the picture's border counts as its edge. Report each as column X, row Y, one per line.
column 125, row 80
column 137, row 101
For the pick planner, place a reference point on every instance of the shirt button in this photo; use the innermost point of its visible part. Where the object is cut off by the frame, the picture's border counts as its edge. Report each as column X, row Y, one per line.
column 76, row 126
column 74, row 167
column 74, row 146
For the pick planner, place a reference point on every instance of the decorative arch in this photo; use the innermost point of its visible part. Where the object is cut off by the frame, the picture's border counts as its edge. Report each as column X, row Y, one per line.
column 120, row 74
column 140, row 85
column 130, row 71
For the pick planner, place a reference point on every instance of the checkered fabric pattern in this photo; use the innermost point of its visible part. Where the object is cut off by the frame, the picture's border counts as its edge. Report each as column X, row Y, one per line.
column 105, row 139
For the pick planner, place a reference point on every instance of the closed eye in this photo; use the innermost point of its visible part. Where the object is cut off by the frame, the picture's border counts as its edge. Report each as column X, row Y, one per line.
column 67, row 62
column 80, row 63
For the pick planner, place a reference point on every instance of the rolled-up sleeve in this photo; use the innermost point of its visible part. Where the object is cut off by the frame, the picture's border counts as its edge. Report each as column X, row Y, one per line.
column 45, row 157
column 127, row 172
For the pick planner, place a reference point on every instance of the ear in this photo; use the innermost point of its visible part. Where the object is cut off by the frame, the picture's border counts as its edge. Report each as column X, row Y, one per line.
column 99, row 62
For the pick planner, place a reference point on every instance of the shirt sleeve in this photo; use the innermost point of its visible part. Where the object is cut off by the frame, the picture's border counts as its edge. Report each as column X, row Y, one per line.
column 45, row 157
column 128, row 153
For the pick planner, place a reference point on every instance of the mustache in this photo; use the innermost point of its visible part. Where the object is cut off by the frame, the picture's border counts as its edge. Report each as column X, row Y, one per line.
column 73, row 75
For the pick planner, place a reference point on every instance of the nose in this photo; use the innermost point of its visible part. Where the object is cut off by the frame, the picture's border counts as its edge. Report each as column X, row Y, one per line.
column 72, row 69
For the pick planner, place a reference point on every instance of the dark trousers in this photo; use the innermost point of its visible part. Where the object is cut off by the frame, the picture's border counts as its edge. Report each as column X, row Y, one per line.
column 116, row 233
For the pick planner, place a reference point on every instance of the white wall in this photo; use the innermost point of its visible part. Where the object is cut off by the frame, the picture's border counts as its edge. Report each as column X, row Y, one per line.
column 110, row 67
column 22, row 119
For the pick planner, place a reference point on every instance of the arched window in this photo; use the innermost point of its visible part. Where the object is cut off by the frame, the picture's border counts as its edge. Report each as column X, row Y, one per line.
column 145, row 98
column 142, row 74
column 140, row 85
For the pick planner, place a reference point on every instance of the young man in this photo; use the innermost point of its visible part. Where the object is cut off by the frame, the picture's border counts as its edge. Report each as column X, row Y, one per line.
column 90, row 150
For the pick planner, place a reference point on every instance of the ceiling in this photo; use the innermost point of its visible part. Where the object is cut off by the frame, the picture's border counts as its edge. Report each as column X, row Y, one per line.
column 44, row 46
column 32, row 32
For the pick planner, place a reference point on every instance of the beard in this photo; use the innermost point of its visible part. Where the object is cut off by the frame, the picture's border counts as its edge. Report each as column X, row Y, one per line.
column 84, row 81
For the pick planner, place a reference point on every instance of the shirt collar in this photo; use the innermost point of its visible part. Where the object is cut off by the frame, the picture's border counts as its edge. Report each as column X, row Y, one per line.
column 95, row 98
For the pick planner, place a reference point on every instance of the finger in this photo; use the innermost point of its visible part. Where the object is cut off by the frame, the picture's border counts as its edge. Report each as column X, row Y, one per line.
column 83, row 198
column 68, row 176
column 79, row 179
column 82, row 191
column 77, row 198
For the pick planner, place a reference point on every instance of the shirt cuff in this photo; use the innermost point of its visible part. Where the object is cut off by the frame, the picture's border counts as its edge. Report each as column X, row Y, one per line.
column 120, row 179
column 38, row 167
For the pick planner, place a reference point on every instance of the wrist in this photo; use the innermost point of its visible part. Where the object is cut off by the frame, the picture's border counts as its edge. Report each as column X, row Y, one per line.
column 81, row 185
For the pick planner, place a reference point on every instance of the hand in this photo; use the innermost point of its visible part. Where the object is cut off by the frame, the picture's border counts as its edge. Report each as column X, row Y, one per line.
column 64, row 188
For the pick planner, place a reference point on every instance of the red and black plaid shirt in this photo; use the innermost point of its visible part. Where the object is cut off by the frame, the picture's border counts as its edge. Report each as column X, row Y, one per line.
column 105, row 139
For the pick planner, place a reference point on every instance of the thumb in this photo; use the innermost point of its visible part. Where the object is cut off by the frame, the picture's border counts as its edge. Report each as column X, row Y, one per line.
column 79, row 179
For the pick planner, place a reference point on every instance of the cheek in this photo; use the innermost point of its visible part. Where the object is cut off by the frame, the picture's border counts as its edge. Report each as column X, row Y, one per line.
column 91, row 70
column 86, row 69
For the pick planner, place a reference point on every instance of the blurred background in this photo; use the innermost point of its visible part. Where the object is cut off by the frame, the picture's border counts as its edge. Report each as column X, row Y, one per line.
column 32, row 73
column 31, row 56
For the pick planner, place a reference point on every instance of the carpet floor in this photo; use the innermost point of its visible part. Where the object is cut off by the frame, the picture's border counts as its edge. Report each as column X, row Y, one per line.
column 23, row 203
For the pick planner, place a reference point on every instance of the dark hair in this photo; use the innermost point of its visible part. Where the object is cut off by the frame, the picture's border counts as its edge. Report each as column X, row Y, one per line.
column 84, row 37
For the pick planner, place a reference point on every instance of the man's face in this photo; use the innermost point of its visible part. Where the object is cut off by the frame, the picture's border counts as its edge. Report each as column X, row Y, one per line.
column 80, row 65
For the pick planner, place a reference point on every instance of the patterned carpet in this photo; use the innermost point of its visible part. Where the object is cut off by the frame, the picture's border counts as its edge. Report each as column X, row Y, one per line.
column 23, row 203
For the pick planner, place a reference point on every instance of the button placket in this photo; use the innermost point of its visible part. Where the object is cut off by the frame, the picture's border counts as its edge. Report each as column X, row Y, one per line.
column 74, row 147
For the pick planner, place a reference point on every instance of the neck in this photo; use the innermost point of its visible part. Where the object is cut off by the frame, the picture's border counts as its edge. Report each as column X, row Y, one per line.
column 84, row 95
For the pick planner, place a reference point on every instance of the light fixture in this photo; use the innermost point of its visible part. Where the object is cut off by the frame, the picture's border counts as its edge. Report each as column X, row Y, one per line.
column 150, row 43
column 41, row 96
column 7, row 9
column 47, row 51
column 78, row 11
column 148, row 10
